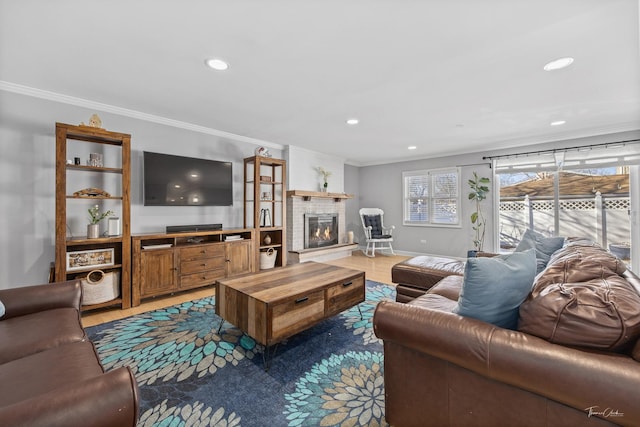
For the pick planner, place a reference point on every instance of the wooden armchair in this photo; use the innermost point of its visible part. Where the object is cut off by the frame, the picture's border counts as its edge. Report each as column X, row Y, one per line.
column 375, row 232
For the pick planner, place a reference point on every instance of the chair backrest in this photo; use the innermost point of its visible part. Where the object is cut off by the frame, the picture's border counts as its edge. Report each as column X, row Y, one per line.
column 372, row 217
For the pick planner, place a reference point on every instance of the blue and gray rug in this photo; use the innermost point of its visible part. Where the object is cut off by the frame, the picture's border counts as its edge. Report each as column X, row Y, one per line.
column 189, row 375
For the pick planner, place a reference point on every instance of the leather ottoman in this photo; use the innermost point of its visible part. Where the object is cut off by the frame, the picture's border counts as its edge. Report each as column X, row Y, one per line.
column 417, row 275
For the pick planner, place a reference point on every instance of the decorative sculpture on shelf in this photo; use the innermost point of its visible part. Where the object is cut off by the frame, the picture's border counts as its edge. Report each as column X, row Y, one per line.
column 91, row 192
column 94, row 122
column 263, row 152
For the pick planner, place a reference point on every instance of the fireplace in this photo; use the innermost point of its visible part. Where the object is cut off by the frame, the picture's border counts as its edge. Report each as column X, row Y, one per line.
column 320, row 230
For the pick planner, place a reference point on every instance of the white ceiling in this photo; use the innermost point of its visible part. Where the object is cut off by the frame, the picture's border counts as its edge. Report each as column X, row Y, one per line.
column 448, row 76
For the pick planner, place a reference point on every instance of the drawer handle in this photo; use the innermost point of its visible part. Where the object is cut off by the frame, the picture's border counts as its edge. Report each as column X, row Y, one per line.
column 347, row 284
column 299, row 300
column 203, row 265
column 203, row 251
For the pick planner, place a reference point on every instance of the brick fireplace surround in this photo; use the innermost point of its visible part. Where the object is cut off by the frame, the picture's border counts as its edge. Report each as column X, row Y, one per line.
column 302, row 202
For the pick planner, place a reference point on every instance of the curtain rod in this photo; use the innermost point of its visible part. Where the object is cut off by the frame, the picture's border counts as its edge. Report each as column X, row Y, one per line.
column 557, row 150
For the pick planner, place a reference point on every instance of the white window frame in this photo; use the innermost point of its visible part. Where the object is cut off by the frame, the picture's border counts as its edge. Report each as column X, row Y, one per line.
column 430, row 198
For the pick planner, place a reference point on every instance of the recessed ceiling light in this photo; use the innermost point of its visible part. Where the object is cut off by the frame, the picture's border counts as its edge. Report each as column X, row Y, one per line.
column 216, row 64
column 558, row 122
column 558, row 64
column 411, row 147
column 353, row 121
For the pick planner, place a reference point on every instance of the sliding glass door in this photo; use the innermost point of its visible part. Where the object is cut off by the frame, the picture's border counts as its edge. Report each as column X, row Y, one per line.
column 569, row 198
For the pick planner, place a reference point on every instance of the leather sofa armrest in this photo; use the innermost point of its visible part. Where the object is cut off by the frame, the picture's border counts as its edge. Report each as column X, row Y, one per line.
column 578, row 378
column 108, row 400
column 32, row 299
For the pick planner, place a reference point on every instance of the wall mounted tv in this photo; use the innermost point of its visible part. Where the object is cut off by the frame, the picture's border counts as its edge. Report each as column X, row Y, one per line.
column 186, row 181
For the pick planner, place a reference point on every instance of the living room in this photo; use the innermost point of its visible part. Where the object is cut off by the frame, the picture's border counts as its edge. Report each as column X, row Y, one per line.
column 366, row 160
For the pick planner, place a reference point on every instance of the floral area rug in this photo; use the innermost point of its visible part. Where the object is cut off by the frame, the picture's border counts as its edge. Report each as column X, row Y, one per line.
column 189, row 375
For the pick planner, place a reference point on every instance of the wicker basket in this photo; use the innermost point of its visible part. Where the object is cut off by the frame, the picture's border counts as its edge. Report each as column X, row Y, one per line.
column 99, row 287
column 268, row 259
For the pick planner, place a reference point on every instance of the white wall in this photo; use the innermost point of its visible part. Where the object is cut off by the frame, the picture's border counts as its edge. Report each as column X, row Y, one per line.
column 303, row 172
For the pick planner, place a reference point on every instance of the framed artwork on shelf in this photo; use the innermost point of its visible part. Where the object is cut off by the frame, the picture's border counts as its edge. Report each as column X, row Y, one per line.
column 93, row 258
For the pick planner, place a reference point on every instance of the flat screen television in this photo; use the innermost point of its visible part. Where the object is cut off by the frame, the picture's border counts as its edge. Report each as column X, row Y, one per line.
column 171, row 180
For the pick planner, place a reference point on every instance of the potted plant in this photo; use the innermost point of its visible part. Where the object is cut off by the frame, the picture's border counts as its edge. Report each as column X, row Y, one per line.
column 479, row 189
column 95, row 216
column 325, row 176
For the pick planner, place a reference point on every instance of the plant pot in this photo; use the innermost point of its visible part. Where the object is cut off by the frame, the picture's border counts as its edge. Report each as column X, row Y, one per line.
column 93, row 231
column 472, row 253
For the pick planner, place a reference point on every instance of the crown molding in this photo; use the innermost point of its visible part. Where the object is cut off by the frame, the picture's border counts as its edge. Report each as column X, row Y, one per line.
column 93, row 105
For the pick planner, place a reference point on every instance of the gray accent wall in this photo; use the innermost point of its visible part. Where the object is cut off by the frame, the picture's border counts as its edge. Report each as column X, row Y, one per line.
column 381, row 187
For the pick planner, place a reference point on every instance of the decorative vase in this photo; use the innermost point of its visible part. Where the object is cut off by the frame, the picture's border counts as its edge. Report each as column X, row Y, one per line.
column 267, row 240
column 350, row 237
column 324, row 187
column 93, row 231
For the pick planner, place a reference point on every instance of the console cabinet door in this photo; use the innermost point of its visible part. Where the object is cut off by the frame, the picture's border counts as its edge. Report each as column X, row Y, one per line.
column 159, row 272
column 239, row 257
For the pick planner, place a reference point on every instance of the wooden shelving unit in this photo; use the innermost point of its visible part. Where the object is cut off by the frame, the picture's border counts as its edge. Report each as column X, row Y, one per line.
column 265, row 205
column 120, row 244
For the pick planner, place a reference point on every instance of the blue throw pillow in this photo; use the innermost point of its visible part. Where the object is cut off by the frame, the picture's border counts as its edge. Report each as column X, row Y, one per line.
column 493, row 288
column 1, row 309
column 544, row 246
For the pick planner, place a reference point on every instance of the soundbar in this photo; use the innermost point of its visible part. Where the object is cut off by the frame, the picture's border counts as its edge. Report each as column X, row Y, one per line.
column 187, row 228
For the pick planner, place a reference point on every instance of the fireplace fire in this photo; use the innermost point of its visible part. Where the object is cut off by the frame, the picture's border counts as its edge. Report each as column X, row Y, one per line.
column 320, row 230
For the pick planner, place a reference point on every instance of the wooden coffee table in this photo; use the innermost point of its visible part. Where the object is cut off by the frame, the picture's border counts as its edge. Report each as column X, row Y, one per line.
column 273, row 305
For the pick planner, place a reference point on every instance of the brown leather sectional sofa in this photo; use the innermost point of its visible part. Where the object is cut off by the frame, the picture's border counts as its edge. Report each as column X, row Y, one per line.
column 50, row 374
column 574, row 359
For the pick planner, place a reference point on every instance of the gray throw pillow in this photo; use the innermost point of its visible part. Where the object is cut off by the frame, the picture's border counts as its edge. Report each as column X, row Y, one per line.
column 1, row 309
column 544, row 246
column 493, row 288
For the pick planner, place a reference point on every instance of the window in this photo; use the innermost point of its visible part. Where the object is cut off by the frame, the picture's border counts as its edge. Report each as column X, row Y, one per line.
column 431, row 197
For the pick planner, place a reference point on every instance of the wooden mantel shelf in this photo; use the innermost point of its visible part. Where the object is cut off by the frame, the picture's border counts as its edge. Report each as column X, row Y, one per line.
column 307, row 195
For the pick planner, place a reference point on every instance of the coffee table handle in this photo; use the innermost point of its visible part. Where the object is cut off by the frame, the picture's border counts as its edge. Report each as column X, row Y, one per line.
column 347, row 284
column 299, row 300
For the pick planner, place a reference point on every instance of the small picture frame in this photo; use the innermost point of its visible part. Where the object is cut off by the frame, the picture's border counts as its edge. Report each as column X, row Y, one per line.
column 265, row 178
column 94, row 258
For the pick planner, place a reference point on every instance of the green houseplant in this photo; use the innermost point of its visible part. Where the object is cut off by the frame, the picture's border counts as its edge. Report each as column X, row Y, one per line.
column 479, row 189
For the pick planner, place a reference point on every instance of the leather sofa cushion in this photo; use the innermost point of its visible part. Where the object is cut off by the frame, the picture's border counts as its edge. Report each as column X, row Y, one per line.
column 46, row 371
column 24, row 335
column 577, row 263
column 435, row 302
column 449, row 287
column 602, row 313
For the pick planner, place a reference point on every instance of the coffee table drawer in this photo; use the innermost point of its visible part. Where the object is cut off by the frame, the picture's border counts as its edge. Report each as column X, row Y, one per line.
column 344, row 295
column 293, row 316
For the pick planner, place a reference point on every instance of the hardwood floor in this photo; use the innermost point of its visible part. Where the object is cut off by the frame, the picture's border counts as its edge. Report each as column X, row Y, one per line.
column 377, row 269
